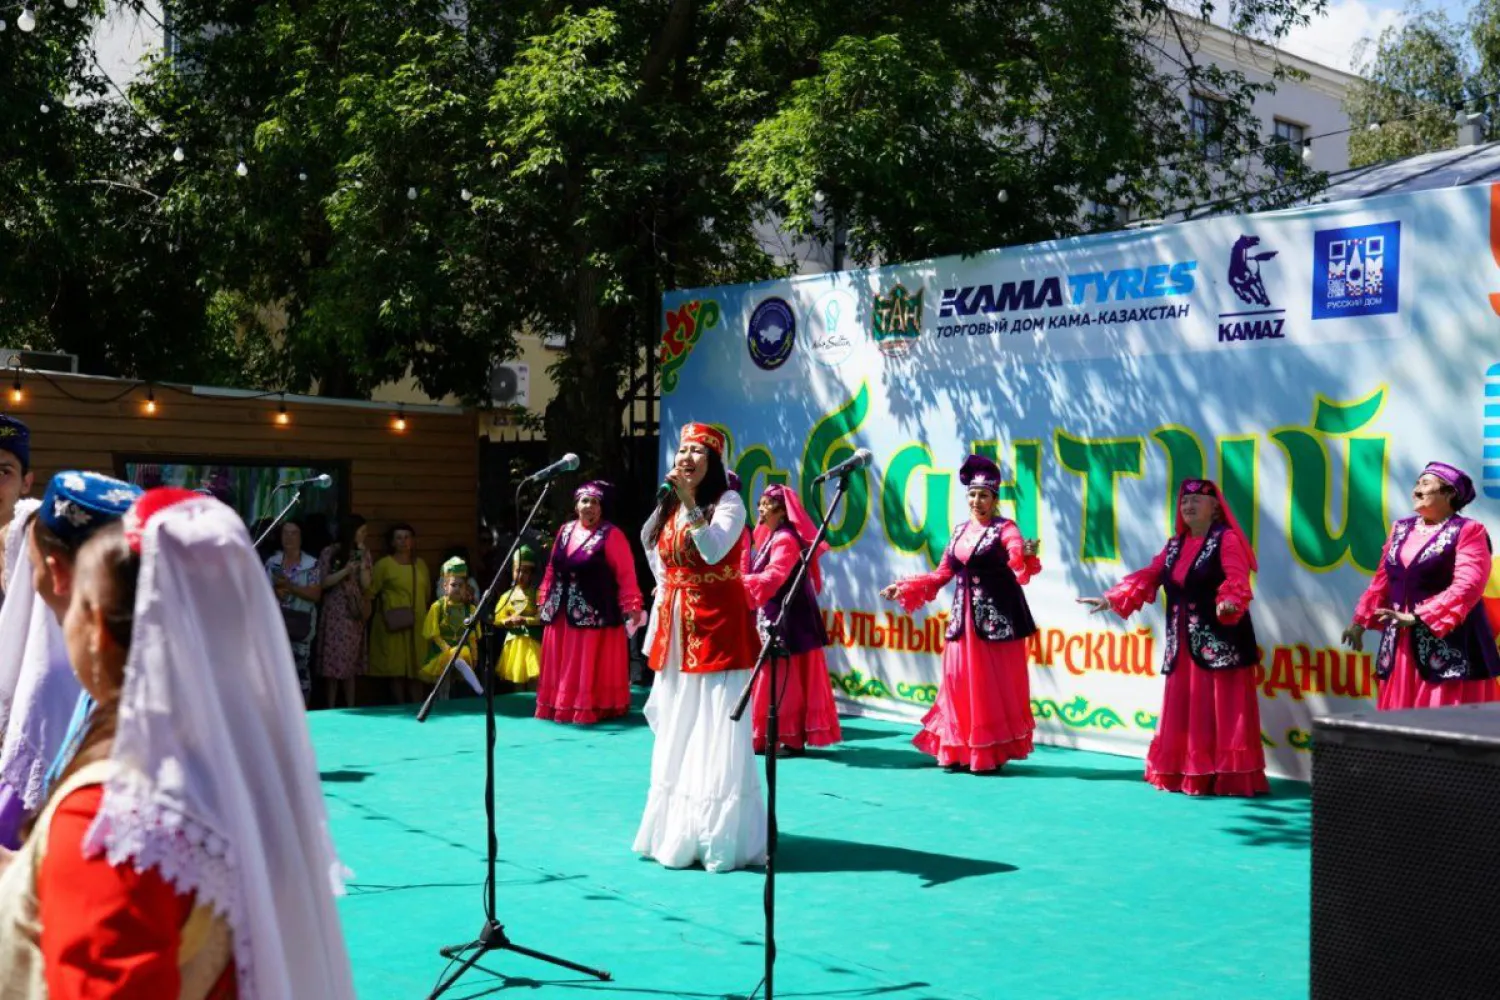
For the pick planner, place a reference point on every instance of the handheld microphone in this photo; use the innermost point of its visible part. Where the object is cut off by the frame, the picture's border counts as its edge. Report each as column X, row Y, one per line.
column 567, row 463
column 859, row 460
column 662, row 492
column 321, row 482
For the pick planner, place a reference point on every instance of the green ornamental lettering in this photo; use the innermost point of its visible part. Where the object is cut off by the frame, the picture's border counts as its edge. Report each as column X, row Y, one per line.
column 1313, row 542
column 1024, row 492
column 1101, row 463
column 931, row 536
column 826, row 447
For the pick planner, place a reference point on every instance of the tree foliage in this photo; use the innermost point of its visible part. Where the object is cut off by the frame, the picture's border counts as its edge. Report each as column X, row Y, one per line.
column 424, row 181
column 1418, row 76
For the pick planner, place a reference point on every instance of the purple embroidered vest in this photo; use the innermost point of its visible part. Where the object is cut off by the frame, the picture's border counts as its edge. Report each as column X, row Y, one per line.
column 1192, row 610
column 802, row 630
column 1468, row 652
column 987, row 584
column 583, row 583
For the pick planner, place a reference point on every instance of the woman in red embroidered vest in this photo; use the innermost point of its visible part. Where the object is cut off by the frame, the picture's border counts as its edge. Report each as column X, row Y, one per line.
column 982, row 715
column 1437, row 647
column 704, row 806
column 588, row 596
column 1208, row 736
column 807, row 713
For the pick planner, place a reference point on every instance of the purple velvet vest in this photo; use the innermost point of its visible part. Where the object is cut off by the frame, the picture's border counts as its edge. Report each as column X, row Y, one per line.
column 1192, row 607
column 583, row 583
column 1468, row 652
column 802, row 630
column 987, row 583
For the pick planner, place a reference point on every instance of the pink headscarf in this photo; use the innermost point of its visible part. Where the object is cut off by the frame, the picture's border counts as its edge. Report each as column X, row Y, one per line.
column 801, row 523
column 1206, row 487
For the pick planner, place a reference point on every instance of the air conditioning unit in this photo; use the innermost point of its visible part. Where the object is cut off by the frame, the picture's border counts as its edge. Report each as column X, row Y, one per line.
column 42, row 361
column 510, row 385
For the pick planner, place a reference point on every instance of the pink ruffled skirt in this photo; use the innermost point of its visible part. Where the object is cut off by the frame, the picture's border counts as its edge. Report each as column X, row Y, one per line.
column 807, row 715
column 1208, row 737
column 982, row 716
column 585, row 674
column 1405, row 688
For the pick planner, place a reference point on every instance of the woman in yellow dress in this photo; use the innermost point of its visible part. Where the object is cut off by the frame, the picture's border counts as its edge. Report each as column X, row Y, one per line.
column 399, row 589
column 517, row 614
column 444, row 627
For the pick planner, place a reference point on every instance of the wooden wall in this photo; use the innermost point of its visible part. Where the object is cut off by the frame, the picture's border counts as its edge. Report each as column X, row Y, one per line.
column 426, row 475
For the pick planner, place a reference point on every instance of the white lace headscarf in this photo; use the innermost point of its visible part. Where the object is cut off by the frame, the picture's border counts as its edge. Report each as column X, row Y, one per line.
column 217, row 787
column 38, row 688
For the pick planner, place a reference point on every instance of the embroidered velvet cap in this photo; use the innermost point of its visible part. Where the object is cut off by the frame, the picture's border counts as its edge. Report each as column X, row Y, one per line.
column 77, row 504
column 15, row 437
column 981, row 472
column 1463, row 486
column 710, row 437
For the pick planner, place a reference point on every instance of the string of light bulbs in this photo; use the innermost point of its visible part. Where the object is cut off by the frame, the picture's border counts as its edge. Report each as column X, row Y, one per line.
column 150, row 407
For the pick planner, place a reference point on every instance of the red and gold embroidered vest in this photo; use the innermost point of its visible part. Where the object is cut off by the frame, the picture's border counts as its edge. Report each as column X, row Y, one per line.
column 714, row 622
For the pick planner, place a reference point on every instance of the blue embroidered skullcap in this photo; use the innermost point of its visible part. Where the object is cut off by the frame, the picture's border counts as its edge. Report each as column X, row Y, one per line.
column 15, row 437
column 77, row 504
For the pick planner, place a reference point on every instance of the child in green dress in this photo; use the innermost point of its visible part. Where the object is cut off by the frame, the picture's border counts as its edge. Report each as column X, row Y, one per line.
column 445, row 625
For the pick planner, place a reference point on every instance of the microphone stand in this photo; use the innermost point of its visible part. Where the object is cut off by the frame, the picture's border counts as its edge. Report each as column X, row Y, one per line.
column 773, row 650
column 296, row 496
column 492, row 936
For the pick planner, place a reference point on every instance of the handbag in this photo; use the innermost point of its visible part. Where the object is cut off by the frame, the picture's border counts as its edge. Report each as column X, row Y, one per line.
column 298, row 624
column 401, row 619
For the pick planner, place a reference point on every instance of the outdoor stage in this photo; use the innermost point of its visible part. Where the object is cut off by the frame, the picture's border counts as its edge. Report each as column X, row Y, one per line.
column 1063, row 877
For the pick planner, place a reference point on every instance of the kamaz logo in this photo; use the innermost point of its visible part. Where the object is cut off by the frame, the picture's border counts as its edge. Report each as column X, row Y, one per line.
column 1119, row 285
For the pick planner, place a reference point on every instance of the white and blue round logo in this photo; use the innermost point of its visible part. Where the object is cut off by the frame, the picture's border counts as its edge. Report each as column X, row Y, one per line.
column 772, row 334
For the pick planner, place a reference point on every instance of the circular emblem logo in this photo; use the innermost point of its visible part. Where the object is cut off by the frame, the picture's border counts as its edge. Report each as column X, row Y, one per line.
column 833, row 328
column 772, row 334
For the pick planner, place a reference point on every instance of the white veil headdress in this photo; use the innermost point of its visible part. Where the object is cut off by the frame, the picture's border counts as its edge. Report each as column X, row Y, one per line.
column 217, row 786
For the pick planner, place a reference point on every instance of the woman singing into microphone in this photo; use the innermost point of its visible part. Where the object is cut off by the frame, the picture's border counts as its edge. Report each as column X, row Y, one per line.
column 704, row 806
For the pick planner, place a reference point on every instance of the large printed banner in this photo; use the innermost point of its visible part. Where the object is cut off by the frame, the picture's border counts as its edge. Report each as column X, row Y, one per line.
column 1312, row 361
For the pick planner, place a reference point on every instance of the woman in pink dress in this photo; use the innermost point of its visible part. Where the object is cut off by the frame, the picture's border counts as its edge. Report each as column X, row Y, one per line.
column 1208, row 737
column 588, row 595
column 344, row 568
column 1436, row 647
column 806, row 712
column 982, row 715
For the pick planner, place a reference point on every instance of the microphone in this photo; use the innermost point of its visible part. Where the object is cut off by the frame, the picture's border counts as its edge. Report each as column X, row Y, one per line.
column 662, row 492
column 859, row 460
column 567, row 463
column 321, row 482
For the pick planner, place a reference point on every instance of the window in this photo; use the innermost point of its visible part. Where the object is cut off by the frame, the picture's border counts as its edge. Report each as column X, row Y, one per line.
column 1286, row 147
column 1207, row 117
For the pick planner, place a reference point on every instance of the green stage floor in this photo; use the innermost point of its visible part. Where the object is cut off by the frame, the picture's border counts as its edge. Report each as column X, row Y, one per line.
column 1063, row 877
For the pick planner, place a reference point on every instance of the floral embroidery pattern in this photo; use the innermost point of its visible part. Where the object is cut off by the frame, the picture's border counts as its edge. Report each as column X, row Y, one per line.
column 1446, row 661
column 1440, row 543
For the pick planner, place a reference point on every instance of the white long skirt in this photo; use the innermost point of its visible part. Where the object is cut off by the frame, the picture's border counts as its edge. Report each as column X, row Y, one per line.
column 705, row 804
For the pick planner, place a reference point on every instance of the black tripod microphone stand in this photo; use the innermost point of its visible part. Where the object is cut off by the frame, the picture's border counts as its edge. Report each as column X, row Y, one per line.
column 772, row 652
column 492, row 936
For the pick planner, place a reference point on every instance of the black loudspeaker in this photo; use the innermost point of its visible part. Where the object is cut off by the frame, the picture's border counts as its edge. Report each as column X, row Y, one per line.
column 1406, row 855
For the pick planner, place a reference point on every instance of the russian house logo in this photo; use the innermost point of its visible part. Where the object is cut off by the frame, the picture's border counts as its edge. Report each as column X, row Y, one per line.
column 1356, row 271
column 772, row 333
column 1249, row 286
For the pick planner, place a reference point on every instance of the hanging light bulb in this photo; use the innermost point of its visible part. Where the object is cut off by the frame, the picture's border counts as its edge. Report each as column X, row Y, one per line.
column 27, row 20
column 411, row 194
column 150, row 401
column 1373, row 127
column 2, row 24
column 46, row 109
column 466, row 194
column 178, row 155
column 819, row 199
column 282, row 417
column 241, row 169
column 302, row 176
column 16, row 395
column 398, row 422
column 1307, row 153
column 70, row 4
column 1003, row 196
